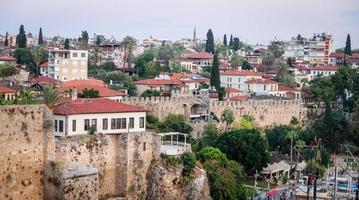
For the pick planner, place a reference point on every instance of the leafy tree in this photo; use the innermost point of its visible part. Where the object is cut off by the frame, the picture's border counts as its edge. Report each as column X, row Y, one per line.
column 41, row 39
column 211, row 153
column 277, row 138
column 210, row 42
column 89, row 93
column 6, row 42
column 152, row 69
column 7, row 70
column 342, row 82
column 276, row 50
column 67, row 44
column 175, row 123
column 236, row 44
column 312, row 167
column 236, row 60
column 215, row 79
column 247, row 121
column 25, row 97
column 152, row 122
column 108, row 66
column 291, row 135
column 348, row 47
column 223, row 51
column 151, row 93
column 23, row 56
column 268, row 58
column 128, row 43
column 246, row 146
column 40, row 56
column 354, row 132
column 189, row 163
column 21, row 38
column 322, row 90
column 246, row 65
column 51, row 96
column 98, row 40
column 126, row 81
column 225, row 40
column 142, row 60
column 231, row 41
column 228, row 117
column 84, row 39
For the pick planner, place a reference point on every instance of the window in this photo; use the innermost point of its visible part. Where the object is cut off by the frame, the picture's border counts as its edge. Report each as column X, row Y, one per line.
column 94, row 123
column 113, row 123
column 105, row 124
column 142, row 122
column 83, row 55
column 264, row 87
column 56, row 125
column 118, row 123
column 61, row 126
column 132, row 123
column 74, row 55
column 87, row 124
column 239, row 79
column 73, row 125
column 124, row 125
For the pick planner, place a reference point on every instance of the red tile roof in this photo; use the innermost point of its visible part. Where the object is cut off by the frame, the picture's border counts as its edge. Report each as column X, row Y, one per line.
column 5, row 57
column 241, row 73
column 86, row 82
column 286, row 89
column 159, row 82
column 232, row 90
column 102, row 90
column 202, row 55
column 93, row 106
column 238, row 98
column 261, row 81
column 324, row 68
column 353, row 60
column 337, row 55
column 45, row 65
column 4, row 89
column 355, row 55
column 45, row 80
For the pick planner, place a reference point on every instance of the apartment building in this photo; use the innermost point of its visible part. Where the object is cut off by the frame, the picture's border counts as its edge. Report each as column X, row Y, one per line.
column 237, row 79
column 65, row 65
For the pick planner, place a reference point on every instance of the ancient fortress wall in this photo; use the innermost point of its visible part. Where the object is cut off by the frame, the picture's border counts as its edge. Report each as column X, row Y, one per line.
column 266, row 112
column 26, row 145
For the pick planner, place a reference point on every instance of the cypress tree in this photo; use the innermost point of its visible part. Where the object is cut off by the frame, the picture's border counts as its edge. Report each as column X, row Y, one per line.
column 348, row 46
column 235, row 44
column 225, row 39
column 6, row 42
column 21, row 38
column 67, row 44
column 215, row 80
column 231, row 41
column 210, row 42
column 41, row 40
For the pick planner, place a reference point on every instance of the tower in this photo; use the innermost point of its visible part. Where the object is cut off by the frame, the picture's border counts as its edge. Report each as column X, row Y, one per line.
column 194, row 38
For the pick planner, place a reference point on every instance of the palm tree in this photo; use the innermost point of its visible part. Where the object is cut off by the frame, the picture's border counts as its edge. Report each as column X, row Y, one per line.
column 292, row 135
column 51, row 96
column 128, row 43
column 228, row 117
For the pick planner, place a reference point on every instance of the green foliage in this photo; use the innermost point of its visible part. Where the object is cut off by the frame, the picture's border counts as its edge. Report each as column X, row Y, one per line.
column 322, row 90
column 215, row 79
column 141, row 61
column 89, row 93
column 51, row 96
column 268, row 58
column 26, row 97
column 348, row 46
column 189, row 162
column 231, row 41
column 7, row 70
column 236, row 44
column 171, row 160
column 84, row 39
column 67, row 44
column 168, row 52
column 41, row 39
column 40, row 55
column 354, row 132
column 211, row 153
column 128, row 43
column 23, row 56
column 152, row 69
column 245, row 146
column 6, row 42
column 312, row 167
column 246, row 65
column 342, row 82
column 152, row 122
column 276, row 50
column 210, row 42
column 92, row 130
column 175, row 123
column 228, row 117
column 225, row 40
column 247, row 122
column 209, row 137
column 236, row 60
column 21, row 38
column 151, row 93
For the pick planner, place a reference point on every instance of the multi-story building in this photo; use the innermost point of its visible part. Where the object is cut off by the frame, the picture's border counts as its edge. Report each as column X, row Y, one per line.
column 315, row 50
column 237, row 79
column 65, row 65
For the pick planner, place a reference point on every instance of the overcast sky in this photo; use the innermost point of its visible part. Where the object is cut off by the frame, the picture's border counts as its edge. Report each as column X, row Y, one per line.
column 254, row 21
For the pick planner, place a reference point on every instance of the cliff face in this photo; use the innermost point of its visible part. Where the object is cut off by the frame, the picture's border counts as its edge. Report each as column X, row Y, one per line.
column 166, row 182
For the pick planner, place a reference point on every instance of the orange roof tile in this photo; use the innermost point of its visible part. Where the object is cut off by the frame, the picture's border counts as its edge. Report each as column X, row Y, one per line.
column 241, row 73
column 159, row 82
column 238, row 98
column 102, row 90
column 4, row 89
column 202, row 55
column 261, row 81
column 232, row 90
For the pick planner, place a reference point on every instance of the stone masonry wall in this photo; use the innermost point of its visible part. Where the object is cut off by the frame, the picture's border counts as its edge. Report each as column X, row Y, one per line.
column 26, row 144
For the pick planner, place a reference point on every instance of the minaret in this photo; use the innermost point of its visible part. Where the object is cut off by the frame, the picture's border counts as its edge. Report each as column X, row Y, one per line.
column 194, row 38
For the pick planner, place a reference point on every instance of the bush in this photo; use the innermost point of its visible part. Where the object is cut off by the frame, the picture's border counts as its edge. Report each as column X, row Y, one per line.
column 151, row 93
column 92, row 130
column 189, row 162
column 7, row 70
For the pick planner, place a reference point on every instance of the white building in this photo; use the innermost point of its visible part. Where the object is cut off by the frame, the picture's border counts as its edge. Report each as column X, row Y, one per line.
column 105, row 115
column 237, row 79
column 322, row 71
column 260, row 87
column 65, row 65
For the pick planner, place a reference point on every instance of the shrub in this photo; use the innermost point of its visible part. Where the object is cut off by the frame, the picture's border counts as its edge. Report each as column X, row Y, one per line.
column 189, row 162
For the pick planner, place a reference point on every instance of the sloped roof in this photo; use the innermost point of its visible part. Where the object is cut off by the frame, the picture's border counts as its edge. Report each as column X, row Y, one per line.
column 261, row 81
column 241, row 73
column 6, row 57
column 324, row 68
column 103, row 91
column 4, row 89
column 232, row 90
column 201, row 55
column 45, row 80
column 159, row 82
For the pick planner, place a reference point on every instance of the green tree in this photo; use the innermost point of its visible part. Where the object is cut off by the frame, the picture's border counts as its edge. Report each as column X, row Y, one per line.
column 152, row 122
column 225, row 40
column 236, row 60
column 84, row 39
column 228, row 117
column 152, row 69
column 246, row 65
column 342, row 82
column 231, row 41
column 40, row 55
column 141, row 60
column 98, row 40
column 175, row 123
column 25, row 97
column 292, row 136
column 23, row 56
column 322, row 90
column 277, row 138
column 128, row 43
column 6, row 42
column 215, row 79
column 41, row 39
column 89, row 93
column 276, row 50
column 348, row 46
column 268, row 58
column 236, row 44
column 189, row 163
column 51, row 96
column 67, row 44
column 21, row 38
column 151, row 93
column 210, row 42
column 7, row 70
column 246, row 146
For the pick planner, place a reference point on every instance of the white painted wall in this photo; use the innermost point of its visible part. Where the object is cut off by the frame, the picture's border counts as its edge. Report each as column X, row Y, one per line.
column 235, row 81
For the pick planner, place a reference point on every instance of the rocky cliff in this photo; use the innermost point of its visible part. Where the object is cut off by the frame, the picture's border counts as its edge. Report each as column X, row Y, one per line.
column 166, row 182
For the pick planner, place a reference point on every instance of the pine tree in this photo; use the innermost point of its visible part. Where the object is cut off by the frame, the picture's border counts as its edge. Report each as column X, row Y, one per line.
column 21, row 38
column 215, row 80
column 235, row 43
column 6, row 42
column 84, row 39
column 67, row 44
column 41, row 40
column 210, row 42
column 348, row 46
column 231, row 41
column 225, row 39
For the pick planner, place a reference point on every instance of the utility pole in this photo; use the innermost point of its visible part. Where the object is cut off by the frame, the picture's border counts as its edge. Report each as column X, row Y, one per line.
column 335, row 181
column 308, row 189
column 316, row 176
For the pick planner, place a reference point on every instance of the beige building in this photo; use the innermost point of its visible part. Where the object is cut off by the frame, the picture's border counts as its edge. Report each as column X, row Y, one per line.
column 65, row 65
